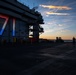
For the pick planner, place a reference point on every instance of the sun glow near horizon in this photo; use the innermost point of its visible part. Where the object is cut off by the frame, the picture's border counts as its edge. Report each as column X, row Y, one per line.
column 50, row 37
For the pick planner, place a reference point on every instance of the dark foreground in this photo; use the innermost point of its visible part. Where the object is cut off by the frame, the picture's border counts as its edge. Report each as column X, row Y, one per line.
column 38, row 59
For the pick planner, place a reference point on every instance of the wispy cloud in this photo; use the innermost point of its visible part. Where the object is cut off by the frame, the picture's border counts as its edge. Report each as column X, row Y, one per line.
column 60, row 25
column 54, row 13
column 56, row 7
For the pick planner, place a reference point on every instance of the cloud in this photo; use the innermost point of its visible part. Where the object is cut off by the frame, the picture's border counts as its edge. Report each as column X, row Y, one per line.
column 54, row 13
column 60, row 25
column 56, row 7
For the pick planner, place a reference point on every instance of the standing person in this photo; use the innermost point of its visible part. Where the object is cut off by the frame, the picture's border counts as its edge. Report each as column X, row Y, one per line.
column 74, row 41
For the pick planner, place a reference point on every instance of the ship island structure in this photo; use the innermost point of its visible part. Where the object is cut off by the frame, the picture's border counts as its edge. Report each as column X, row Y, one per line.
column 19, row 23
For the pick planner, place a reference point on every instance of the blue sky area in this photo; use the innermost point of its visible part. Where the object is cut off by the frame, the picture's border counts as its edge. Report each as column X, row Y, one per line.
column 59, row 17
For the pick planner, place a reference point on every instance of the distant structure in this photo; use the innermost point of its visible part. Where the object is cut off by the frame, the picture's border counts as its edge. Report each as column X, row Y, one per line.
column 18, row 22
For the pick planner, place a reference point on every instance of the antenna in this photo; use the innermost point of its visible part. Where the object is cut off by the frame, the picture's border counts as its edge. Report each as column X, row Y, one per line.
column 35, row 8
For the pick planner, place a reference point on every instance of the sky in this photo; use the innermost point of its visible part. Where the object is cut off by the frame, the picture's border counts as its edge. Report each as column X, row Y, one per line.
column 59, row 17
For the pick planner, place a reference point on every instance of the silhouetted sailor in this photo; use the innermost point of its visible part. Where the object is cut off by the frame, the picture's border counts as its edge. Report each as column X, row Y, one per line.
column 74, row 41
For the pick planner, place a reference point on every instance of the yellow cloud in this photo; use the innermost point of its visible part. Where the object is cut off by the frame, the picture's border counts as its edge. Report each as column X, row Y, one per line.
column 53, row 13
column 56, row 7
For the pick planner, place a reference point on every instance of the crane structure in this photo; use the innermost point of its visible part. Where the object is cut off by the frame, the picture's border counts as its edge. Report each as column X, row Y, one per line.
column 18, row 22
